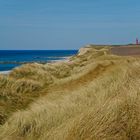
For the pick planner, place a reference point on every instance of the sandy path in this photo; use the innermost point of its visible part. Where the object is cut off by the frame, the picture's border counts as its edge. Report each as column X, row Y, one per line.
column 126, row 50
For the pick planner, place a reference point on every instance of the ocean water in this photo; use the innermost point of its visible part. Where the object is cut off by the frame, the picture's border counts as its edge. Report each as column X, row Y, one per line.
column 10, row 59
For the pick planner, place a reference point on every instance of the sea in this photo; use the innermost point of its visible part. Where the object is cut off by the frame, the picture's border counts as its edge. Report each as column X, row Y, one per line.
column 10, row 59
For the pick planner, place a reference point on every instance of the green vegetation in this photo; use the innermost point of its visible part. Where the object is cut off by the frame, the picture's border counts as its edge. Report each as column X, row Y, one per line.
column 93, row 96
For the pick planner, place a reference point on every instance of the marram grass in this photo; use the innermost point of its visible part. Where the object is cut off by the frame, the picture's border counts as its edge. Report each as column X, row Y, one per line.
column 94, row 96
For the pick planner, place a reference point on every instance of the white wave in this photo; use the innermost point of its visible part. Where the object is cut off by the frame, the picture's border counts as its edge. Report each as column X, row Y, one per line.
column 5, row 72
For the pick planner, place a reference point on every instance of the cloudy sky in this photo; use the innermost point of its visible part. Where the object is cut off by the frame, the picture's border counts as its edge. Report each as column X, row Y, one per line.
column 67, row 24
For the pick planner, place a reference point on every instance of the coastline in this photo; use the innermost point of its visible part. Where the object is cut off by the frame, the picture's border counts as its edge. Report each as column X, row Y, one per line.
column 65, row 59
column 19, row 58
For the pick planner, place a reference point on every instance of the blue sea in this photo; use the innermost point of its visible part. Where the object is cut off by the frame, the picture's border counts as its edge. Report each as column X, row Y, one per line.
column 10, row 59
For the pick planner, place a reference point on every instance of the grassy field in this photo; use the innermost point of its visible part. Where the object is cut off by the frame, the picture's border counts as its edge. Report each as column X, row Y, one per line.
column 93, row 96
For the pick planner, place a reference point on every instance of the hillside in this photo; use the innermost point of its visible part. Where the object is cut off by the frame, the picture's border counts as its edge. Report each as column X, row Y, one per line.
column 95, row 95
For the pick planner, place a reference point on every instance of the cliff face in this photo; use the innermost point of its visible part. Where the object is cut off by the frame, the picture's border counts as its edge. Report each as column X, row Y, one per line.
column 94, row 95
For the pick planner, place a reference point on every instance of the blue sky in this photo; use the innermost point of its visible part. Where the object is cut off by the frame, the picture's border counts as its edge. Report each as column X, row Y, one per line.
column 67, row 24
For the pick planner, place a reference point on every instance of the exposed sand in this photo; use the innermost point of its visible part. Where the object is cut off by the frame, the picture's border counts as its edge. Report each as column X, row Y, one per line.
column 126, row 50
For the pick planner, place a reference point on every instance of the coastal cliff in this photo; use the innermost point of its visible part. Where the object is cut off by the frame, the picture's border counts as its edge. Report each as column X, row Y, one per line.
column 92, row 95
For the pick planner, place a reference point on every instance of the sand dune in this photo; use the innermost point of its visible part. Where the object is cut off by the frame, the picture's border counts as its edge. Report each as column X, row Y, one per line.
column 93, row 96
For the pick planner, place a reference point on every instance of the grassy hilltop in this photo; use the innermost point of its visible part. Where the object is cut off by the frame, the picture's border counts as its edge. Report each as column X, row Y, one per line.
column 93, row 96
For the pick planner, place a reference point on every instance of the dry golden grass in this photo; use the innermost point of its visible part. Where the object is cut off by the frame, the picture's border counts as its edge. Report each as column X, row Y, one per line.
column 94, row 96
